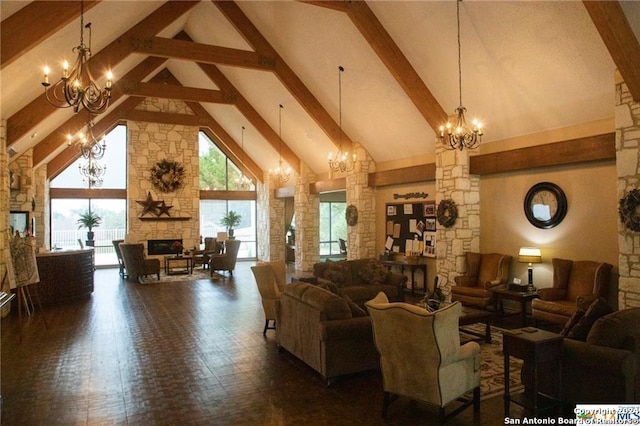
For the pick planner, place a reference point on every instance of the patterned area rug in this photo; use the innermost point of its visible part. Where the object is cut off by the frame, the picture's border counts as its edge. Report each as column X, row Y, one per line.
column 198, row 274
column 492, row 366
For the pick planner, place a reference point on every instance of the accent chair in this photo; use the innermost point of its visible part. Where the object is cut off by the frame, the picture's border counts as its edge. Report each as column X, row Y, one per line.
column 136, row 263
column 116, row 247
column 265, row 277
column 227, row 260
column 484, row 272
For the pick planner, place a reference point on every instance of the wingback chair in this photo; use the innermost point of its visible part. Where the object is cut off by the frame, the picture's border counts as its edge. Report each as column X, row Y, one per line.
column 202, row 257
column 116, row 247
column 136, row 263
column 227, row 260
column 575, row 285
column 265, row 277
column 420, row 354
column 484, row 272
column 280, row 270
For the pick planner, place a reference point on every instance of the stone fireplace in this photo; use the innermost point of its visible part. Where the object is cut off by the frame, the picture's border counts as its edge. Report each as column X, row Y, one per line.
column 156, row 247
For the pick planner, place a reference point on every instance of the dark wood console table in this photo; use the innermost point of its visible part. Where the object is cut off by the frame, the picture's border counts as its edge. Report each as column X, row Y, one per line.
column 412, row 268
column 65, row 275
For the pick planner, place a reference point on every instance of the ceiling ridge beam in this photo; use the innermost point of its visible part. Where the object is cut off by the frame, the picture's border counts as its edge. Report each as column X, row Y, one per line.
column 340, row 6
column 285, row 74
column 35, row 22
column 23, row 121
column 178, row 92
column 396, row 62
column 622, row 44
column 47, row 146
column 206, row 53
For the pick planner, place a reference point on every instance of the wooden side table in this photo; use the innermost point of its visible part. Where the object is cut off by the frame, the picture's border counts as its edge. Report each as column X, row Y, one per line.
column 535, row 346
column 524, row 297
column 412, row 267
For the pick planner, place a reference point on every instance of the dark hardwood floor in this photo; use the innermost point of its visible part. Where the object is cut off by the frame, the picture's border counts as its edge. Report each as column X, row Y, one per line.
column 189, row 353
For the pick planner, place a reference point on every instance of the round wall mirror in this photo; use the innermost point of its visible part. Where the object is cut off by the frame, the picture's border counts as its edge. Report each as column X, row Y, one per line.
column 545, row 205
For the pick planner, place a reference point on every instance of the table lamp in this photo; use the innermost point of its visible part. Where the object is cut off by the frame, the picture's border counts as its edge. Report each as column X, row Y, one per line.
column 221, row 237
column 530, row 255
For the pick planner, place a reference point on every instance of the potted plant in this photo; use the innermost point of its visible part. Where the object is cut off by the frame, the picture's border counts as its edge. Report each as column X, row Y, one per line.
column 89, row 220
column 230, row 221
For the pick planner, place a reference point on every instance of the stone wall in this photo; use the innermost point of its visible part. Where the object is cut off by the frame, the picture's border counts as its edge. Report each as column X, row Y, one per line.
column 361, row 238
column 149, row 143
column 4, row 202
column 454, row 182
column 270, row 221
column 307, row 208
column 628, row 166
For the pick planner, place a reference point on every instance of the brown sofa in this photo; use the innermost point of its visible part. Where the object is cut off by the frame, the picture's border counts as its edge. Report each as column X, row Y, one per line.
column 320, row 328
column 360, row 279
column 604, row 368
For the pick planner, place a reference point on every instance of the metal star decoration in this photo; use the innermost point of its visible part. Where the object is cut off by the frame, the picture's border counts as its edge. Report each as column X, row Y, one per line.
column 150, row 205
column 164, row 209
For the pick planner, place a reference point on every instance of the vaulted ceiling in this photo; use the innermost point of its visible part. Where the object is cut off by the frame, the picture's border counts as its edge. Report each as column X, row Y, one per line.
column 527, row 67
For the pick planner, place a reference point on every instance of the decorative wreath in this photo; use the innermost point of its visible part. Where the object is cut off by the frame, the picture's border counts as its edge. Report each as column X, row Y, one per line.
column 447, row 213
column 167, row 176
column 628, row 210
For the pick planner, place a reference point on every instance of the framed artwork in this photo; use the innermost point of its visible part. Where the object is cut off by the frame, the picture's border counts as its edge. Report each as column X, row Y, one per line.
column 430, row 224
column 391, row 210
column 430, row 209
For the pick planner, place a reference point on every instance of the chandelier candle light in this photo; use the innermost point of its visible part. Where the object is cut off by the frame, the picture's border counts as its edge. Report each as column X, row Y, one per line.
column 342, row 162
column 458, row 135
column 77, row 86
column 281, row 173
column 92, row 150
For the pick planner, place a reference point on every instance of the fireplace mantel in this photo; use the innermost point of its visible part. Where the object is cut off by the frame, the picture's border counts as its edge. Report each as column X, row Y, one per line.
column 150, row 218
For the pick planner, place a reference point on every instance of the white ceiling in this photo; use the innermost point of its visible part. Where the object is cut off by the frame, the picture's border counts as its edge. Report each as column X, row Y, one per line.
column 527, row 67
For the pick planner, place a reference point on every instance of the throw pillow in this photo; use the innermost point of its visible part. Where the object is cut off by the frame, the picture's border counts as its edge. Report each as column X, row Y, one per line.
column 572, row 322
column 335, row 273
column 356, row 311
column 374, row 272
column 597, row 309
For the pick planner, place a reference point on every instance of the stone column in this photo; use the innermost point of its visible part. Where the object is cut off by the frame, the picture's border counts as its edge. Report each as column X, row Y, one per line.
column 307, row 208
column 361, row 238
column 628, row 168
column 4, row 202
column 453, row 182
column 270, row 221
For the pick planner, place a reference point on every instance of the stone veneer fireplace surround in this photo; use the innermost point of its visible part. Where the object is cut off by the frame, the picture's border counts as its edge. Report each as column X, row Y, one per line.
column 158, row 247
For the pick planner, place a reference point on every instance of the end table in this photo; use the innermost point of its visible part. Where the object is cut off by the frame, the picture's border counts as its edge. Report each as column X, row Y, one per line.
column 524, row 297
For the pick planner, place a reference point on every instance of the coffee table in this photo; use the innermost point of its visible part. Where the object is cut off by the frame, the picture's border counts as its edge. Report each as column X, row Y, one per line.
column 472, row 316
column 168, row 260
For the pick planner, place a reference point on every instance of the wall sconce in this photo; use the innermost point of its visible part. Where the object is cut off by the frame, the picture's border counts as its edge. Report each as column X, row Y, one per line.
column 530, row 255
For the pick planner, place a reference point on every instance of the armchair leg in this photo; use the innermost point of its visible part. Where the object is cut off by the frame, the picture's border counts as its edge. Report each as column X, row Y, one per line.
column 476, row 399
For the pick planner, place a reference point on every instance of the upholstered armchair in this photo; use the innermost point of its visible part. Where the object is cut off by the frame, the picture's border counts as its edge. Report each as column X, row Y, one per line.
column 116, row 248
column 484, row 272
column 576, row 284
column 227, row 260
column 202, row 257
column 136, row 263
column 265, row 277
column 280, row 270
column 420, row 354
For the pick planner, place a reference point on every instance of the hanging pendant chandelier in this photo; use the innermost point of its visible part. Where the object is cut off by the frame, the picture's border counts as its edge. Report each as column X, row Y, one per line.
column 280, row 172
column 244, row 182
column 92, row 171
column 77, row 86
column 342, row 162
column 458, row 135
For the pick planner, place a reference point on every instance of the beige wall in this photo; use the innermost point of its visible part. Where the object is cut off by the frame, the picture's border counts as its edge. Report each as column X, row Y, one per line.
column 588, row 232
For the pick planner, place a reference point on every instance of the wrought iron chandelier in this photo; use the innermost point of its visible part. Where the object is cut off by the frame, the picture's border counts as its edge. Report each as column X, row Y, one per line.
column 77, row 86
column 244, row 182
column 280, row 172
column 342, row 161
column 92, row 150
column 458, row 135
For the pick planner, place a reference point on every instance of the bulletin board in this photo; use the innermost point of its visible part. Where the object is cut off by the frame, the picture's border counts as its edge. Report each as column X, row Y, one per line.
column 410, row 228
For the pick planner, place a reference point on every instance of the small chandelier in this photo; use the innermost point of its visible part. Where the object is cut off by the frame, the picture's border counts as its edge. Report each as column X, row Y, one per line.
column 342, row 162
column 458, row 135
column 244, row 182
column 92, row 171
column 281, row 173
column 77, row 86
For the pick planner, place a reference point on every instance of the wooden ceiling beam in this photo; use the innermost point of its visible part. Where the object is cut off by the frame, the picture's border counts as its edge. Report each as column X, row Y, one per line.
column 23, row 121
column 396, row 62
column 285, row 74
column 177, row 92
column 256, row 120
column 54, row 140
column 405, row 175
column 205, row 53
column 624, row 48
column 34, row 23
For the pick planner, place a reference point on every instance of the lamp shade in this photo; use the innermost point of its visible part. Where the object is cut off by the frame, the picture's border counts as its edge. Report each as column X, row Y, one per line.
column 222, row 237
column 530, row 255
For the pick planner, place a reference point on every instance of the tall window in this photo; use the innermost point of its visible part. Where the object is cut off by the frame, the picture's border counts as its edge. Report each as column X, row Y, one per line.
column 67, row 205
column 333, row 226
column 219, row 177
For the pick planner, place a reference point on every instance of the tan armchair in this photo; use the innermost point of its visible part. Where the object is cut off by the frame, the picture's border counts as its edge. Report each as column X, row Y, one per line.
column 265, row 276
column 484, row 272
column 420, row 354
column 202, row 257
column 136, row 263
column 116, row 248
column 575, row 285
column 227, row 260
column 280, row 270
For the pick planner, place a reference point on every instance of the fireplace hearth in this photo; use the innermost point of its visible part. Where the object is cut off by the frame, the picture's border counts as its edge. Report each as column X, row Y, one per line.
column 156, row 247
